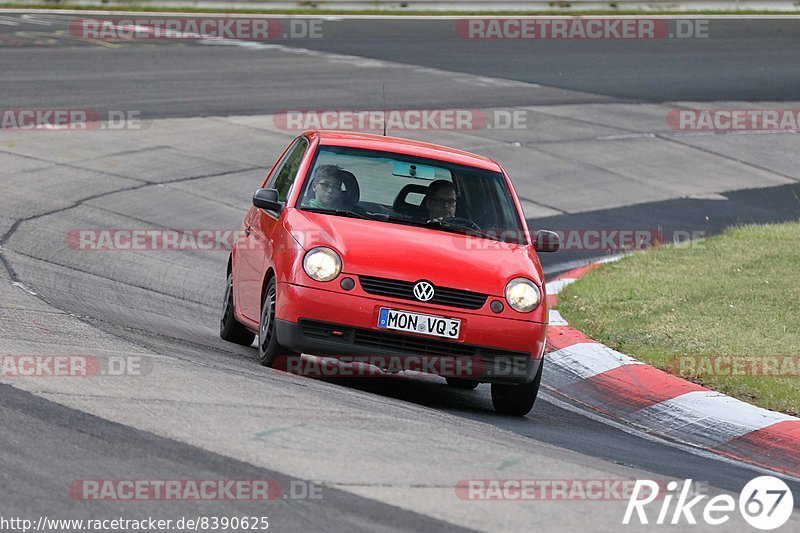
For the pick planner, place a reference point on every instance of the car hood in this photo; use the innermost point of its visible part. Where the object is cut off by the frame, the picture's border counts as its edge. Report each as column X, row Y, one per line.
column 411, row 253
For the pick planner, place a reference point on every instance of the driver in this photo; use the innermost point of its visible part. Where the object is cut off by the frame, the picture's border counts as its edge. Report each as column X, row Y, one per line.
column 440, row 200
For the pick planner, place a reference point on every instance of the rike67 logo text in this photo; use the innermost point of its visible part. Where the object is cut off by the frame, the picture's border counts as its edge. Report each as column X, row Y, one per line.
column 766, row 503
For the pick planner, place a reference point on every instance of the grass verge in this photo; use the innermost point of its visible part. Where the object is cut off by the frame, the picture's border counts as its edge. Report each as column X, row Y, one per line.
column 724, row 312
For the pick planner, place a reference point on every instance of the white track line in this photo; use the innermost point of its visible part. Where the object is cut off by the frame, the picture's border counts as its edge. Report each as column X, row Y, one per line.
column 30, row 19
column 555, row 319
column 588, row 359
column 705, row 454
column 555, row 287
column 709, row 418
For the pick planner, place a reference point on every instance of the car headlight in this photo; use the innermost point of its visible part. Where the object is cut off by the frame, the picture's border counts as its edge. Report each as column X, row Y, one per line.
column 322, row 264
column 523, row 295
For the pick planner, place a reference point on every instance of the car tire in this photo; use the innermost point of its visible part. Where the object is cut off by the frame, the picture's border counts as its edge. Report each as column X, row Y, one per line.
column 516, row 400
column 460, row 383
column 229, row 329
column 268, row 348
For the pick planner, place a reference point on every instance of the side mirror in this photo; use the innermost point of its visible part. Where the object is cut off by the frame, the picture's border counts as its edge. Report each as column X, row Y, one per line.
column 546, row 241
column 267, row 199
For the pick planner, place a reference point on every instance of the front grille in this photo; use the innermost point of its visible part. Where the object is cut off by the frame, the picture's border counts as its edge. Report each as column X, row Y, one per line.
column 398, row 342
column 405, row 290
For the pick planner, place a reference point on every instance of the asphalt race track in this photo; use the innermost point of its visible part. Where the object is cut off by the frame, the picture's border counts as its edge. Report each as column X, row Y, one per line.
column 595, row 150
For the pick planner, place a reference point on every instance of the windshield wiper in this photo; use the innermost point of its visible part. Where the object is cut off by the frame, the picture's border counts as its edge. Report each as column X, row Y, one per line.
column 382, row 217
column 439, row 224
column 458, row 228
column 340, row 212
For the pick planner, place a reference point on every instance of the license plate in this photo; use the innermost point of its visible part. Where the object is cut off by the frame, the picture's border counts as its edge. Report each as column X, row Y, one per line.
column 417, row 323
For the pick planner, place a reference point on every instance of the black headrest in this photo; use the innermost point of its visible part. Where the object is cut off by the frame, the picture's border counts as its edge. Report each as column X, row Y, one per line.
column 352, row 192
column 400, row 201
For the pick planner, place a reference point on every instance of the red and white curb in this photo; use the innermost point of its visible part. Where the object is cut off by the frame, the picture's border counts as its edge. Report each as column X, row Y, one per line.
column 627, row 390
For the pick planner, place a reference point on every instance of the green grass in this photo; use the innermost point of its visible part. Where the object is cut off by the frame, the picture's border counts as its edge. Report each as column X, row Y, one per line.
column 193, row 9
column 735, row 294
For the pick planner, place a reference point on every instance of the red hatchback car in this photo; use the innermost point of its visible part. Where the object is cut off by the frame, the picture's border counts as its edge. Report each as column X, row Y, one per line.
column 362, row 245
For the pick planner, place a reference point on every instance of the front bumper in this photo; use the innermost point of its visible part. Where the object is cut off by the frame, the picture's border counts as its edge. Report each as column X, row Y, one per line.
column 489, row 349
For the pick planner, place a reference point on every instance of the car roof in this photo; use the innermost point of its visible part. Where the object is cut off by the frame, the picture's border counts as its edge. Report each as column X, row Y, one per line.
column 403, row 146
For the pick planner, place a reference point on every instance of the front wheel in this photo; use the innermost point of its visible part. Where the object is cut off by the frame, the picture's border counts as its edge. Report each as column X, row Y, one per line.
column 268, row 347
column 229, row 329
column 516, row 400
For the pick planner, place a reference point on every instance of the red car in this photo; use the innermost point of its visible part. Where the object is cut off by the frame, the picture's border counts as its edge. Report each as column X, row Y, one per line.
column 362, row 245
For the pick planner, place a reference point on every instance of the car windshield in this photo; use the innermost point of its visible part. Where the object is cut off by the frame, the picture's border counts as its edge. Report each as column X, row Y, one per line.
column 399, row 189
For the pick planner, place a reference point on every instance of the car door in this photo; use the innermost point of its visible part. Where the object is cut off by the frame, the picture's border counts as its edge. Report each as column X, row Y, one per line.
column 259, row 227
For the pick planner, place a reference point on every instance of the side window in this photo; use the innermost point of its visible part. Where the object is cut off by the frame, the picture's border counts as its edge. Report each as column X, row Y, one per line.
column 284, row 175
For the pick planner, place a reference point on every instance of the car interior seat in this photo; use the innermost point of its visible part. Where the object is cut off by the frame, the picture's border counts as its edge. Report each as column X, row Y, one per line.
column 401, row 205
column 352, row 191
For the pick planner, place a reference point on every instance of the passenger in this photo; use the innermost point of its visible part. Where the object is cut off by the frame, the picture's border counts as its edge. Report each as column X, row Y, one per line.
column 327, row 187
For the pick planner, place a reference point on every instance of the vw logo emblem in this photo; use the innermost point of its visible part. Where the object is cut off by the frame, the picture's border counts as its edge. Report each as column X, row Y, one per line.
column 423, row 291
